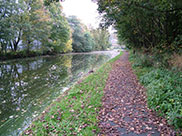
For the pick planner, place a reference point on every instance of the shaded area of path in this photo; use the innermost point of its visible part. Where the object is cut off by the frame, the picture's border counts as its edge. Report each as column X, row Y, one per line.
column 124, row 111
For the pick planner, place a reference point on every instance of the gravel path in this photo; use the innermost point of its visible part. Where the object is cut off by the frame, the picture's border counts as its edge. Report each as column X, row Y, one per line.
column 124, row 111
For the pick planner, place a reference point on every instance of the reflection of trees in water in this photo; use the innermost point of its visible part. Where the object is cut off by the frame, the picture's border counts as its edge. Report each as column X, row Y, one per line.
column 11, row 87
column 37, row 81
column 85, row 62
column 25, row 81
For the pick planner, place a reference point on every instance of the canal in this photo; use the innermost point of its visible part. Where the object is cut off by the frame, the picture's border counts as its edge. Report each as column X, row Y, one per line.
column 28, row 86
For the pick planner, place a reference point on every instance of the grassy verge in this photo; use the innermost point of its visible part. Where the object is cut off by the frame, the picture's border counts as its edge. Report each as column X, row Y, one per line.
column 164, row 89
column 76, row 112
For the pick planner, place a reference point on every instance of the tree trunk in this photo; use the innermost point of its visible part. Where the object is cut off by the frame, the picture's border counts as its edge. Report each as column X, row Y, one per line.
column 1, row 51
column 28, row 47
column 15, row 43
column 11, row 45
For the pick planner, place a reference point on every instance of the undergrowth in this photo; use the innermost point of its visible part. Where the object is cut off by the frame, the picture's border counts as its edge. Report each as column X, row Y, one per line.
column 76, row 112
column 164, row 88
column 24, row 54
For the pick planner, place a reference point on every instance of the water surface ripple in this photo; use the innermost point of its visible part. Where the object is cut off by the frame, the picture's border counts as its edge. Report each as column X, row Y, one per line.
column 28, row 86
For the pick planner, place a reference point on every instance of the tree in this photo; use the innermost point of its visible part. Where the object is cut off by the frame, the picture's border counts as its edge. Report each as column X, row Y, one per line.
column 11, row 15
column 89, row 44
column 30, row 25
column 147, row 25
column 82, row 39
column 60, row 36
column 36, row 28
column 101, row 39
column 48, row 2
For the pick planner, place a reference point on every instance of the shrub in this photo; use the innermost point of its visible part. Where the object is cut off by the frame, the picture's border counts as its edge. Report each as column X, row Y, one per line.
column 164, row 90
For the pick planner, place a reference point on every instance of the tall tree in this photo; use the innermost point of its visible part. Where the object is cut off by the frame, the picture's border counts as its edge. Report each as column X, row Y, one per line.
column 30, row 25
column 148, row 25
column 82, row 39
column 11, row 14
column 60, row 36
column 101, row 39
column 37, row 24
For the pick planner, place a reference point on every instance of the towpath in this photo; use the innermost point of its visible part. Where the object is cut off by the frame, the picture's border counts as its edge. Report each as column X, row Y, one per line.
column 124, row 109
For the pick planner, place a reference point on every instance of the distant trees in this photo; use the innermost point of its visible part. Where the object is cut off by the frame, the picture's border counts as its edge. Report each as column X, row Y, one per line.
column 30, row 25
column 101, row 39
column 60, row 33
column 85, row 40
column 151, row 26
column 39, row 26
column 82, row 40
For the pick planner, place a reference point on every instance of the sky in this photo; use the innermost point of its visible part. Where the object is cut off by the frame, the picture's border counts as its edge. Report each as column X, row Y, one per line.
column 85, row 10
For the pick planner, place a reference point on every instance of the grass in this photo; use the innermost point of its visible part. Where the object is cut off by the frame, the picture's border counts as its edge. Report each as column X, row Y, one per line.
column 164, row 89
column 75, row 113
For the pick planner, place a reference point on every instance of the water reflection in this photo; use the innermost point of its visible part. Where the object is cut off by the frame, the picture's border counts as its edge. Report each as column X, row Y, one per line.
column 28, row 86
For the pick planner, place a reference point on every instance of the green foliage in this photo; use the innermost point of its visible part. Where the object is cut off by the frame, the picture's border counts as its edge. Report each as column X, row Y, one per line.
column 82, row 40
column 60, row 32
column 163, row 89
column 88, row 42
column 36, row 26
column 68, row 46
column 30, row 25
column 11, row 23
column 85, row 40
column 48, row 2
column 20, row 54
column 101, row 39
column 145, row 25
column 76, row 112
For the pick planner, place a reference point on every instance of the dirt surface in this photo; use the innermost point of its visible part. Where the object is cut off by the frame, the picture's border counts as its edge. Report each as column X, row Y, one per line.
column 124, row 109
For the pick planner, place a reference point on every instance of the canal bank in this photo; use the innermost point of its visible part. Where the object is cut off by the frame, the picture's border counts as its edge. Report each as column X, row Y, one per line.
column 76, row 111
column 29, row 86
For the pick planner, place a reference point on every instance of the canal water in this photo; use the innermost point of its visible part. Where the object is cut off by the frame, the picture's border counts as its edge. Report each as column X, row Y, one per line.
column 28, row 86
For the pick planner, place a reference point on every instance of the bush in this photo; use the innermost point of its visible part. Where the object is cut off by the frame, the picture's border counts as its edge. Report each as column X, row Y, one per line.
column 164, row 90
column 20, row 54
